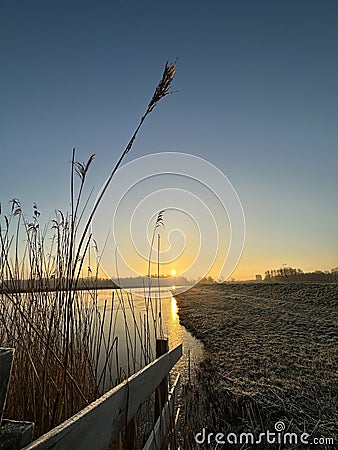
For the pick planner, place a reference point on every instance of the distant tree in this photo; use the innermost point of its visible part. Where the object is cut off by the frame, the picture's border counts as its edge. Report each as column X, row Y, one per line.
column 334, row 274
column 208, row 280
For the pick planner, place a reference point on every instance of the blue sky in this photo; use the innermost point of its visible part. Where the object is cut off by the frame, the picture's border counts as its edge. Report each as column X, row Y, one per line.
column 257, row 97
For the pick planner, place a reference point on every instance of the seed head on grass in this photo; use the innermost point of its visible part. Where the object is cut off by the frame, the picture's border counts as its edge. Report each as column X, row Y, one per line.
column 82, row 168
column 163, row 86
column 159, row 220
column 161, row 91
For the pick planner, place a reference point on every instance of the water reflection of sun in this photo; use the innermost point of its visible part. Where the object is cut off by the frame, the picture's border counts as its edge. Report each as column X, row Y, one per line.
column 174, row 315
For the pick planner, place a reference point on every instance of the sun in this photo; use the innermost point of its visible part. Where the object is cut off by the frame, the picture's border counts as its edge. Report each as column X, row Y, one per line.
column 173, row 272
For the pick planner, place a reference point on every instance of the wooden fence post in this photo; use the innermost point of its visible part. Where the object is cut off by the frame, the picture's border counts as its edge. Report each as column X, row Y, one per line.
column 6, row 358
column 161, row 393
column 13, row 435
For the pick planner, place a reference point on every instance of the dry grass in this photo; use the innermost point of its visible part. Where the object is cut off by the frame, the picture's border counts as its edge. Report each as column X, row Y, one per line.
column 64, row 358
column 57, row 334
column 270, row 355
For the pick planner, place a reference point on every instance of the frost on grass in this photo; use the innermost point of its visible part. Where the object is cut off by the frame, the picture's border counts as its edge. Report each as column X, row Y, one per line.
column 271, row 355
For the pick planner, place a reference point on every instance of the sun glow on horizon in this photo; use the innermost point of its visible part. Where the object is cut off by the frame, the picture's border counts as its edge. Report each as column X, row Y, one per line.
column 173, row 272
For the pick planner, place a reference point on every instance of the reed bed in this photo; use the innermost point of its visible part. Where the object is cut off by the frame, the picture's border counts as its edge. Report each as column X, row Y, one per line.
column 65, row 340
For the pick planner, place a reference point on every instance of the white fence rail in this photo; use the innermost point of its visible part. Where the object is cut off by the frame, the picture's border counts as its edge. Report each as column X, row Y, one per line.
column 101, row 422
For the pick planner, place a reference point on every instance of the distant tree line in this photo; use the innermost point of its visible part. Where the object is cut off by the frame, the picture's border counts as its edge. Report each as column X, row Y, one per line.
column 207, row 280
column 293, row 275
column 141, row 282
column 53, row 284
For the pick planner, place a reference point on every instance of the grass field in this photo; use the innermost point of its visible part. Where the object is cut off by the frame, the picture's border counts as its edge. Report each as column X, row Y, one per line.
column 271, row 355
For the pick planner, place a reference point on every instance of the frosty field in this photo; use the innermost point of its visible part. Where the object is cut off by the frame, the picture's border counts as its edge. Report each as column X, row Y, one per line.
column 271, row 355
